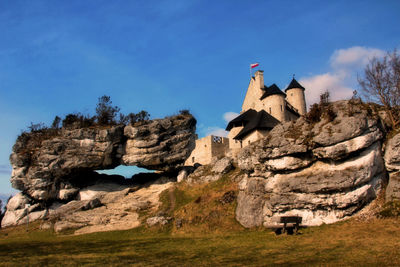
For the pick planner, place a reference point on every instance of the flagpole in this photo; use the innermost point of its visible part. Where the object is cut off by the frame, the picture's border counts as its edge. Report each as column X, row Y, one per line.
column 250, row 70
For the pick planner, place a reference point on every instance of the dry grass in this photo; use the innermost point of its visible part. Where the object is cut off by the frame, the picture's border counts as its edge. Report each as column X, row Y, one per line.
column 351, row 243
column 201, row 207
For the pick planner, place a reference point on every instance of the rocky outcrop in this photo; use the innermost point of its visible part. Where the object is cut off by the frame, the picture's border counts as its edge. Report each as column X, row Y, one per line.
column 323, row 171
column 160, row 144
column 392, row 162
column 207, row 173
column 54, row 167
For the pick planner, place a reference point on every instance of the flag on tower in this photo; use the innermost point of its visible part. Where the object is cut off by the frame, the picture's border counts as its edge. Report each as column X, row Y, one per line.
column 254, row 65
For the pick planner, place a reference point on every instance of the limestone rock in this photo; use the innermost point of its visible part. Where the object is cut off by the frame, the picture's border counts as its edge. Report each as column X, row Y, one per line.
column 202, row 175
column 249, row 211
column 152, row 221
column 222, row 166
column 160, row 144
column 183, row 174
column 393, row 187
column 324, row 171
column 54, row 166
column 392, row 162
column 288, row 163
column 59, row 158
column 18, row 202
column 19, row 216
column 119, row 209
column 392, row 154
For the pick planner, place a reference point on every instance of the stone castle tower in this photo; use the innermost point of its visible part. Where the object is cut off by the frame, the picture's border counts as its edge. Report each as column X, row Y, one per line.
column 273, row 100
column 263, row 108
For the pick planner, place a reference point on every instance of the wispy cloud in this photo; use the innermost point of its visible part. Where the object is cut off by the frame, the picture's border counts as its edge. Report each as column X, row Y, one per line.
column 217, row 131
column 341, row 79
column 354, row 57
column 228, row 116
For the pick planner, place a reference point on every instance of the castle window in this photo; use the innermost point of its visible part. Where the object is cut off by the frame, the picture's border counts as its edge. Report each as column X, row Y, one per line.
column 281, row 108
column 269, row 110
column 291, row 94
column 249, row 142
column 192, row 159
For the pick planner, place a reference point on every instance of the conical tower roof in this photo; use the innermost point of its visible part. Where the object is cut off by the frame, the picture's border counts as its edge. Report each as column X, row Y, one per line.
column 272, row 90
column 294, row 84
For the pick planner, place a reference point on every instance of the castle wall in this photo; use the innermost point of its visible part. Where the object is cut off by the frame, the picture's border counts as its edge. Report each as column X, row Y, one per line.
column 296, row 98
column 233, row 144
column 274, row 105
column 207, row 148
column 254, row 136
column 290, row 116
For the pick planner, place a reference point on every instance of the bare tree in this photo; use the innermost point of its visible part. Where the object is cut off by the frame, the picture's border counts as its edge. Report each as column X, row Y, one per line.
column 381, row 84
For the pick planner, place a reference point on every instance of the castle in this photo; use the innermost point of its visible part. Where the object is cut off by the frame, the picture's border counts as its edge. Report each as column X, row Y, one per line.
column 262, row 109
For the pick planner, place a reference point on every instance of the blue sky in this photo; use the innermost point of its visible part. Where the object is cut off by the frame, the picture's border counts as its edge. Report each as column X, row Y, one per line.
column 58, row 57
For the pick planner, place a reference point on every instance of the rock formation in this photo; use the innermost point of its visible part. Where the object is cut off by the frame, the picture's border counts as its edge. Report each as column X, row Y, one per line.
column 321, row 171
column 392, row 162
column 54, row 167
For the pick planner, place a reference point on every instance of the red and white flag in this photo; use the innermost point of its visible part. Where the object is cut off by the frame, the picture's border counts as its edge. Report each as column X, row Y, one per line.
column 254, row 65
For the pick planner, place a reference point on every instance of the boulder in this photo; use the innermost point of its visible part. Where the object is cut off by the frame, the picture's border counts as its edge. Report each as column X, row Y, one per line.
column 222, row 166
column 250, row 202
column 18, row 202
column 20, row 216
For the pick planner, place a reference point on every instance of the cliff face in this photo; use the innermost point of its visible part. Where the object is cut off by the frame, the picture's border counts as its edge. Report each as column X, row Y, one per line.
column 323, row 172
column 54, row 168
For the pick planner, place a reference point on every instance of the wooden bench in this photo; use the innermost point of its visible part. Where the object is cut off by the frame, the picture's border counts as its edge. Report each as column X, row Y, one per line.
column 286, row 224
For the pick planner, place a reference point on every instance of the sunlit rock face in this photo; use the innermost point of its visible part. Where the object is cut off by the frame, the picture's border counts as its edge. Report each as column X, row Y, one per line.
column 159, row 144
column 54, row 167
column 323, row 171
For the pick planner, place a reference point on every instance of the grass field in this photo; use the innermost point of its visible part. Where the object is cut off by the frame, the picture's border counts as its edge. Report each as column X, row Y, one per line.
column 376, row 242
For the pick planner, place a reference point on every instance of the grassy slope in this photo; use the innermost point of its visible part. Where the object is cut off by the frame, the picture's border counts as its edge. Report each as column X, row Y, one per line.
column 209, row 236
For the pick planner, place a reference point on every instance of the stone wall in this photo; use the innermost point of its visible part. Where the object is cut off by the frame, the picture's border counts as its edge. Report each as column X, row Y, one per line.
column 206, row 149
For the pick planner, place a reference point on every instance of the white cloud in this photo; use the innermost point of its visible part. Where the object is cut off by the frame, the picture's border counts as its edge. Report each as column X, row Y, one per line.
column 354, row 57
column 335, row 83
column 228, row 116
column 217, row 131
column 340, row 80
